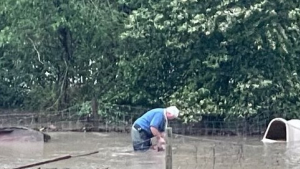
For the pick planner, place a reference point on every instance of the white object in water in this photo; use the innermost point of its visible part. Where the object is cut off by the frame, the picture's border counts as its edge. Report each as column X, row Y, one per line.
column 281, row 130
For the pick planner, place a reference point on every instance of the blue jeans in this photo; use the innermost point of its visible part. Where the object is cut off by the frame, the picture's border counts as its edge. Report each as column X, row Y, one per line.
column 140, row 140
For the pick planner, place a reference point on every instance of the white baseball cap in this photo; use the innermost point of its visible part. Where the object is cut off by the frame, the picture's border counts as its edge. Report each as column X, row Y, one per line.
column 173, row 110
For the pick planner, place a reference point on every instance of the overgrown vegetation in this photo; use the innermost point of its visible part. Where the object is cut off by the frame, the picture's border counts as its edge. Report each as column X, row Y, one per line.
column 217, row 58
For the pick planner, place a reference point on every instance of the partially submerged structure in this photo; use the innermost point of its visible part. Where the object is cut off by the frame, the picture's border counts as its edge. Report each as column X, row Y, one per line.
column 22, row 134
column 281, row 130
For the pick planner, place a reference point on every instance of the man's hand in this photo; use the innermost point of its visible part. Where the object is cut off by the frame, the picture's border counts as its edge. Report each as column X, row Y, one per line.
column 161, row 144
column 158, row 148
column 161, row 141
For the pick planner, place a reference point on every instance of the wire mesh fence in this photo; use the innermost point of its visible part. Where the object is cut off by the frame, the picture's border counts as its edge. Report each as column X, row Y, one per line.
column 214, row 144
column 109, row 118
column 120, row 118
column 226, row 153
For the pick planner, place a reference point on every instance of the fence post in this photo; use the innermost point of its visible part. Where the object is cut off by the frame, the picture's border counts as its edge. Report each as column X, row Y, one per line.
column 169, row 163
column 95, row 114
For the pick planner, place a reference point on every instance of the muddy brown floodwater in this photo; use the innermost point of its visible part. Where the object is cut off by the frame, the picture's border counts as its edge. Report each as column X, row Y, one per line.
column 116, row 153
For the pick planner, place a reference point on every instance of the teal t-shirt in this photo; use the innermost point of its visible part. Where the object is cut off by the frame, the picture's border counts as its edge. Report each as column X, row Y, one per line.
column 152, row 118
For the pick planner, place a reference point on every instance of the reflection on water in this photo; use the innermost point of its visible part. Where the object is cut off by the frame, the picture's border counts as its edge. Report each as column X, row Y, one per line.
column 16, row 152
column 292, row 155
column 116, row 152
column 283, row 155
column 234, row 153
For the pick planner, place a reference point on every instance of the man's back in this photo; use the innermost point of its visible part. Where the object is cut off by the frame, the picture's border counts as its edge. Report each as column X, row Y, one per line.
column 154, row 118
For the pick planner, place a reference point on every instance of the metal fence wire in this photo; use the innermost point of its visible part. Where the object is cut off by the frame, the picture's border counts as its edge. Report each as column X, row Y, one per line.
column 223, row 143
column 120, row 118
column 222, row 152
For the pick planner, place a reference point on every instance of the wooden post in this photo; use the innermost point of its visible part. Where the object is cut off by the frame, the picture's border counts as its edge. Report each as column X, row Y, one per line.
column 95, row 113
column 54, row 160
column 169, row 163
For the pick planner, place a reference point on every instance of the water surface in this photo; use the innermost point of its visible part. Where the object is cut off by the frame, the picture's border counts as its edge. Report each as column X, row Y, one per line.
column 116, row 152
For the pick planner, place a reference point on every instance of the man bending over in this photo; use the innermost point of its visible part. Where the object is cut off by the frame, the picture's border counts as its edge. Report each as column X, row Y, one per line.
column 152, row 124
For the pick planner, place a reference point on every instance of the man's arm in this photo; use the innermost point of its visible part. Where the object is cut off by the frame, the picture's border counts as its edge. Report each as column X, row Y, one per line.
column 157, row 121
column 156, row 133
column 160, row 139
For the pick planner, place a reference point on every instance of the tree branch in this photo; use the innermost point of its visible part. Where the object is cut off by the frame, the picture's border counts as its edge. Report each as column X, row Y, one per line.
column 38, row 53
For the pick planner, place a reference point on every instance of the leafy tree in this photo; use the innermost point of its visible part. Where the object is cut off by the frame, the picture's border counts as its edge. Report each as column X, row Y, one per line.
column 226, row 58
column 233, row 55
column 64, row 49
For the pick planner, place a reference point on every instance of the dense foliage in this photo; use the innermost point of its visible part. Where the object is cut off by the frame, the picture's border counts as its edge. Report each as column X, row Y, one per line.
column 228, row 58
